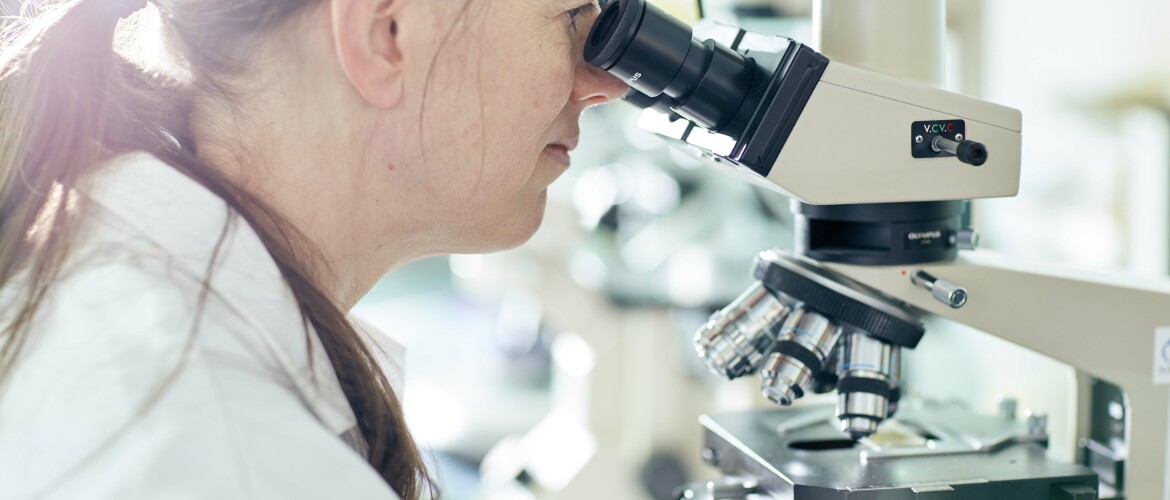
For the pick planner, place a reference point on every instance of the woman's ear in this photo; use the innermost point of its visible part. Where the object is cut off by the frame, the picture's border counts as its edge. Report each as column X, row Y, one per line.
column 366, row 36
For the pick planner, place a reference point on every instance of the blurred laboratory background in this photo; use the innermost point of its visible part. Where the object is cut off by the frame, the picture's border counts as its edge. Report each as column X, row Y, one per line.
column 564, row 369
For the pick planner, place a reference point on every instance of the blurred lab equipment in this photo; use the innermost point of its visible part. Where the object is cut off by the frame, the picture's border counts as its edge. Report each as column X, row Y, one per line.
column 879, row 164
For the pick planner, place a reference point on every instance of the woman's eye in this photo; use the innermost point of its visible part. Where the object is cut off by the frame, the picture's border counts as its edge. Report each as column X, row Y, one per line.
column 578, row 12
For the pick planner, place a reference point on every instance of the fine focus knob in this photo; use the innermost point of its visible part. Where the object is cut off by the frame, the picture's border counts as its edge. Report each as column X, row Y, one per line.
column 949, row 293
column 944, row 291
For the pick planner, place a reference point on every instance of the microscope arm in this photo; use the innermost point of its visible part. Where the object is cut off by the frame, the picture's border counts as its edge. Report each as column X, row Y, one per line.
column 1103, row 326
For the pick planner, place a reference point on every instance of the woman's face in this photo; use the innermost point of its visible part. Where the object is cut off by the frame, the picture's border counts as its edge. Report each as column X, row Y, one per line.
column 499, row 113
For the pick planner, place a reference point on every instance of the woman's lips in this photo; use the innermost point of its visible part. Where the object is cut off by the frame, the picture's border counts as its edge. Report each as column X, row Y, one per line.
column 558, row 152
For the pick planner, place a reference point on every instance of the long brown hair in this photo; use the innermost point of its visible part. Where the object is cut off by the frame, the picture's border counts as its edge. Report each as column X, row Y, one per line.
column 69, row 100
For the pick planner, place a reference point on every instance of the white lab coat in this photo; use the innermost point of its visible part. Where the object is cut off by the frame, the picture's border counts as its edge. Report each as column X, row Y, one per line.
column 246, row 415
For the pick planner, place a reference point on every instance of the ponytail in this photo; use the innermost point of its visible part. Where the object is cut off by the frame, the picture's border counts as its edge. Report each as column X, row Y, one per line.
column 60, row 86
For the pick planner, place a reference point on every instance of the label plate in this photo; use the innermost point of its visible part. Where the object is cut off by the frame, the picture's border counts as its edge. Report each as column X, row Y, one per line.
column 923, row 133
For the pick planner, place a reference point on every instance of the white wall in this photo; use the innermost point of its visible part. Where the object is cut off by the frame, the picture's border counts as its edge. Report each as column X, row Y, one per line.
column 1070, row 66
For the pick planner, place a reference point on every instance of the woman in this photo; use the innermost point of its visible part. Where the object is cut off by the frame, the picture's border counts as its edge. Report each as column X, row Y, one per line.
column 196, row 191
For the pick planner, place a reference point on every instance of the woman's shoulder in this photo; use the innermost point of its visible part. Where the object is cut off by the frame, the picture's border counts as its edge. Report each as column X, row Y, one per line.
column 144, row 217
column 158, row 257
column 141, row 284
column 169, row 258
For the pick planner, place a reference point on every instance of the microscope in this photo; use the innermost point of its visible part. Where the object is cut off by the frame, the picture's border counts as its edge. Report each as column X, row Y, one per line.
column 880, row 165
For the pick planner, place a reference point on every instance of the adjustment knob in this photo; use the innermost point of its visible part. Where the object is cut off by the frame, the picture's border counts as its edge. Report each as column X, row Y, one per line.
column 969, row 152
column 966, row 239
column 944, row 291
column 972, row 153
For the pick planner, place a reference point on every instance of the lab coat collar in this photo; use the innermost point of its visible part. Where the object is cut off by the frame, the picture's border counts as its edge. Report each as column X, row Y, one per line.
column 187, row 221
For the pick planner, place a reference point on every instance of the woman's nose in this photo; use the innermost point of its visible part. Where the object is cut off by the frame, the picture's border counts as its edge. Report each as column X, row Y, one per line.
column 593, row 86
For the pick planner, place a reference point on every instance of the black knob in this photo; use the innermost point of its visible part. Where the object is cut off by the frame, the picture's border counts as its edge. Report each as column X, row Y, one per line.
column 971, row 153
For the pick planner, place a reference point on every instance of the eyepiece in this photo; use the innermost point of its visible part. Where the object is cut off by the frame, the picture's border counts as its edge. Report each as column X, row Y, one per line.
column 607, row 23
column 604, row 48
column 656, row 53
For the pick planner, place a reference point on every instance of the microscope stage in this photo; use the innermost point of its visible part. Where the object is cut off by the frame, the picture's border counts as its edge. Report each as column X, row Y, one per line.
column 929, row 452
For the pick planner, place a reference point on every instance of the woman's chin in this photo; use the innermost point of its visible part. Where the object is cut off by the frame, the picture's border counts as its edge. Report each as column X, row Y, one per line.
column 523, row 229
column 515, row 230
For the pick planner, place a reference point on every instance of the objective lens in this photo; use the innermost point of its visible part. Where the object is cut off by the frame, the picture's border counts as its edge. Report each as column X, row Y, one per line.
column 863, row 392
column 656, row 53
column 805, row 342
column 735, row 340
column 895, row 380
column 826, row 379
